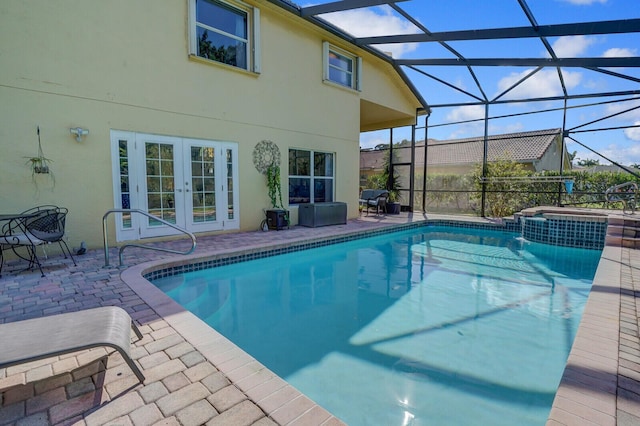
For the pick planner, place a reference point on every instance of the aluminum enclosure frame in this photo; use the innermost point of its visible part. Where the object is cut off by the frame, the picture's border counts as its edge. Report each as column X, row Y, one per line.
column 601, row 65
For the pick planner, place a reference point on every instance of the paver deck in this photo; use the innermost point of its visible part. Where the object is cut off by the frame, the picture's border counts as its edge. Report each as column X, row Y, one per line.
column 195, row 376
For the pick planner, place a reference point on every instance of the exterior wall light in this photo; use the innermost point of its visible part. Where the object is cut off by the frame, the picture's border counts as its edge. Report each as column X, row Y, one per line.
column 79, row 132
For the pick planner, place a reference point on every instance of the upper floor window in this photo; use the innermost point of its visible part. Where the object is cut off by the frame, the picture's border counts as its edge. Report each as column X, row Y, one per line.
column 341, row 67
column 225, row 32
column 311, row 176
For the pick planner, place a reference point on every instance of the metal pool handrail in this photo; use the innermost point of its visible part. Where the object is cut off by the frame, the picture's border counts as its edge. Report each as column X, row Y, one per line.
column 144, row 213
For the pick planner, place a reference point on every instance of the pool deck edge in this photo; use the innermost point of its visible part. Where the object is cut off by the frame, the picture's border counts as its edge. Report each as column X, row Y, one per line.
column 284, row 404
column 600, row 384
column 587, row 391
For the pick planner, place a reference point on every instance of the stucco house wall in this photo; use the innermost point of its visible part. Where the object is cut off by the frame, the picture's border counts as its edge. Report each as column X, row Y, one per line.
column 123, row 65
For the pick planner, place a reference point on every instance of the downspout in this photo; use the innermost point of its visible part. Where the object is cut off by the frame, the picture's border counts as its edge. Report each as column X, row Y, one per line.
column 424, row 166
column 390, row 177
column 412, row 167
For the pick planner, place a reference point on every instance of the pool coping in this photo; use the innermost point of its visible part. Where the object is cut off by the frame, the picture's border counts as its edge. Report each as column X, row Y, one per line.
column 587, row 391
column 588, row 388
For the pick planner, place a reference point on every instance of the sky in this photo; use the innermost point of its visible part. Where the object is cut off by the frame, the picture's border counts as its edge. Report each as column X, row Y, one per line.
column 618, row 145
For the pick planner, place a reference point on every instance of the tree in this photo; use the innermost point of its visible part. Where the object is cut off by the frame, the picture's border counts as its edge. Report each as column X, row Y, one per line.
column 588, row 162
column 206, row 49
column 385, row 180
column 572, row 156
column 504, row 195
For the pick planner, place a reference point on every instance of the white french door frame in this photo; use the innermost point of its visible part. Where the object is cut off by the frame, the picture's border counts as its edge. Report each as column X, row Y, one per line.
column 213, row 205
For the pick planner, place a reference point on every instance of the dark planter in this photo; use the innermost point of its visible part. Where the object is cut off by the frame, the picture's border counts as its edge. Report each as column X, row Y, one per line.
column 393, row 208
column 277, row 219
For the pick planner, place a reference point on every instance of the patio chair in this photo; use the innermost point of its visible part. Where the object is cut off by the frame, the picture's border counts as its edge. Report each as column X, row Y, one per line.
column 15, row 235
column 35, row 227
column 374, row 198
column 45, row 337
column 50, row 227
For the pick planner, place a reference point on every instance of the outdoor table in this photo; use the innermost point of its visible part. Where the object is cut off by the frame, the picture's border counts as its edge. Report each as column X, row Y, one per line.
column 19, row 228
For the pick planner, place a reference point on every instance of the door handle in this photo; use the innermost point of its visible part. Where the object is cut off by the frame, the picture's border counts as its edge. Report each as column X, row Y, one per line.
column 178, row 190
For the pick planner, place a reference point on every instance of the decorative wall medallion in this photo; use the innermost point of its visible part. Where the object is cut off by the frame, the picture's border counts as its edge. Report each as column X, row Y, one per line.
column 265, row 154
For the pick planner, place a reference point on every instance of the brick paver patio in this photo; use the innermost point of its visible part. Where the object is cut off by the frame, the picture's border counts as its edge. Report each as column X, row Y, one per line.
column 194, row 376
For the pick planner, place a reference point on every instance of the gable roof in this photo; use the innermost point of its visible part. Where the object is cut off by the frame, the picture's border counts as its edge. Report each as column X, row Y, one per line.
column 523, row 147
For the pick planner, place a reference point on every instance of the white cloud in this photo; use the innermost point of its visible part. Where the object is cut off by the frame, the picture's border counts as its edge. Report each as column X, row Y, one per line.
column 633, row 133
column 572, row 46
column 617, row 107
column 544, row 83
column 371, row 139
column 367, row 23
column 464, row 113
column 619, row 52
column 625, row 154
column 372, row 143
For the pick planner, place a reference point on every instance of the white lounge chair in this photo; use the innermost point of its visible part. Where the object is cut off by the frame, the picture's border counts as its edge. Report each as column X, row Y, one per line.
column 39, row 338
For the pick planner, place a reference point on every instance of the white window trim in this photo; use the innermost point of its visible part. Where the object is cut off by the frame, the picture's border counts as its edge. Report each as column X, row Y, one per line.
column 312, row 175
column 124, row 234
column 357, row 61
column 253, row 36
column 137, row 188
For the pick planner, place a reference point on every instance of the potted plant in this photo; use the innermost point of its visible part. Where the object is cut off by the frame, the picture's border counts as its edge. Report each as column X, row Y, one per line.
column 392, row 185
column 393, row 202
column 278, row 216
column 40, row 164
column 266, row 158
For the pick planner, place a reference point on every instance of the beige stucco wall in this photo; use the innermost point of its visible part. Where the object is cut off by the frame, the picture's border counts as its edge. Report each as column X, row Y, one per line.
column 551, row 158
column 124, row 65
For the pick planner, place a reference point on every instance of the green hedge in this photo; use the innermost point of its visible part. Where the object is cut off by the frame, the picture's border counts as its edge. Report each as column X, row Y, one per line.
column 463, row 193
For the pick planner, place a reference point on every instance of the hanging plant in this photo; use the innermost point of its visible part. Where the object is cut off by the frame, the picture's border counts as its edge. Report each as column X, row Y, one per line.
column 266, row 159
column 40, row 164
column 274, row 186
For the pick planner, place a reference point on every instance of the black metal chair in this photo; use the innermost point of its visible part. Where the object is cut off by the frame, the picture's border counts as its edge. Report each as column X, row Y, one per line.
column 49, row 226
column 15, row 235
column 35, row 227
column 374, row 198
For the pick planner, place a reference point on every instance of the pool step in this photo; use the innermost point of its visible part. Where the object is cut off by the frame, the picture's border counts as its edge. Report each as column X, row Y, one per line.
column 623, row 232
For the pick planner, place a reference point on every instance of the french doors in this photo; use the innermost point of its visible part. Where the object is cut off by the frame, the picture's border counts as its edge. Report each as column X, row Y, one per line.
column 191, row 183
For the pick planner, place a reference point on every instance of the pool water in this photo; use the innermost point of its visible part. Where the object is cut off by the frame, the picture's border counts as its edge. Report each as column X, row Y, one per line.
column 438, row 325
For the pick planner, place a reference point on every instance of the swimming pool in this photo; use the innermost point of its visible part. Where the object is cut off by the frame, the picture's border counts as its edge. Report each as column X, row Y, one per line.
column 437, row 325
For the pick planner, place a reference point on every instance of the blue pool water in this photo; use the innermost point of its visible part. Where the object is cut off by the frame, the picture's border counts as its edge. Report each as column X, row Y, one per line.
column 438, row 325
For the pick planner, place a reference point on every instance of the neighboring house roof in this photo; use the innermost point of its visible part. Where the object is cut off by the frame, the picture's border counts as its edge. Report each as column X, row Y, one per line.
column 372, row 159
column 523, row 147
